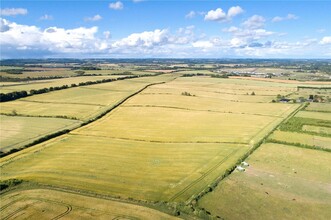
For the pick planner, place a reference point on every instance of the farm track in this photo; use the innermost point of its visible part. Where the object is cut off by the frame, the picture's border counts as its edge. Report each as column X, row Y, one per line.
column 211, row 169
column 70, row 207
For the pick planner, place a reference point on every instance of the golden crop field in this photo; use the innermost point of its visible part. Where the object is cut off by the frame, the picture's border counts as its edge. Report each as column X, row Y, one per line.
column 40, row 84
column 165, row 144
column 18, row 131
column 178, row 142
column 282, row 182
column 80, row 103
column 51, row 204
column 123, row 168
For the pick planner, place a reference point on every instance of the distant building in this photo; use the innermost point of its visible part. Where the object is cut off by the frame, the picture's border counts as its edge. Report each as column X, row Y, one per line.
column 284, row 100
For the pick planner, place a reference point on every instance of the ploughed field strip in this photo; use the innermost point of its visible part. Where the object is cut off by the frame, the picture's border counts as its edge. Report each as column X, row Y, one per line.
column 161, row 144
column 51, row 204
column 80, row 104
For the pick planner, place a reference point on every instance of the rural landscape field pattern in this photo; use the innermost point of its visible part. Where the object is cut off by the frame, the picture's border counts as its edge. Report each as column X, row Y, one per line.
column 166, row 145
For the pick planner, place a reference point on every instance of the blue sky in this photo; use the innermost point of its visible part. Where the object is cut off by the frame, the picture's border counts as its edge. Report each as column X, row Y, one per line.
column 176, row 29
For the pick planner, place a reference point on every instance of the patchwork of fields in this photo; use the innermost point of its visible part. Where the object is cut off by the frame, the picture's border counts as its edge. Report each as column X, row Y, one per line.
column 288, row 178
column 80, row 104
column 165, row 139
column 158, row 137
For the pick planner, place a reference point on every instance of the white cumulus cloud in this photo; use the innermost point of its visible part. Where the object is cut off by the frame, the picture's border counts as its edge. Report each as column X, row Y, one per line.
column 203, row 44
column 46, row 17
column 326, row 40
column 107, row 34
column 220, row 15
column 13, row 11
column 191, row 14
column 144, row 39
column 234, row 11
column 116, row 5
column 254, row 22
column 51, row 39
column 94, row 18
column 288, row 17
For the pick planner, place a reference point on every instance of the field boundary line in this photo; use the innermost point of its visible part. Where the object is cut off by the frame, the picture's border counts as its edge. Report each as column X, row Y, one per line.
column 248, row 153
column 66, row 103
column 155, row 141
column 295, row 144
column 99, row 116
column 209, row 170
column 200, row 110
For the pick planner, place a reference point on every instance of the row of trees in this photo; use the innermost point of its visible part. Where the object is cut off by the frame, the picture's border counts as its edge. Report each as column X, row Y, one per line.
column 4, row 97
column 12, row 96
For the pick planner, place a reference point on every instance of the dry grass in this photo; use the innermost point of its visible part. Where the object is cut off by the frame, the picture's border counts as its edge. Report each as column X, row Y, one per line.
column 282, row 182
column 51, row 204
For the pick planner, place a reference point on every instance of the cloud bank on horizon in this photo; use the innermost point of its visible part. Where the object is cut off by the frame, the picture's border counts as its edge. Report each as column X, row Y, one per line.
column 140, row 29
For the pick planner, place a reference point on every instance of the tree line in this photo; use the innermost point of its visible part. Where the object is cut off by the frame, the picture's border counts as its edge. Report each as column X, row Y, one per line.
column 5, row 97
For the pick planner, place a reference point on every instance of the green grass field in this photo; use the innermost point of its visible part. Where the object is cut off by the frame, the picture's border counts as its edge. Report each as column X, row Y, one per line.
column 16, row 132
column 314, row 115
column 299, row 138
column 317, row 129
column 282, row 182
column 323, row 107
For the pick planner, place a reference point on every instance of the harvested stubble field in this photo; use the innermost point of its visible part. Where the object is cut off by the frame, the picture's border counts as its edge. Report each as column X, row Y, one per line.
column 51, row 204
column 167, row 149
column 81, row 103
column 40, row 84
column 19, row 131
column 282, row 182
column 44, row 72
